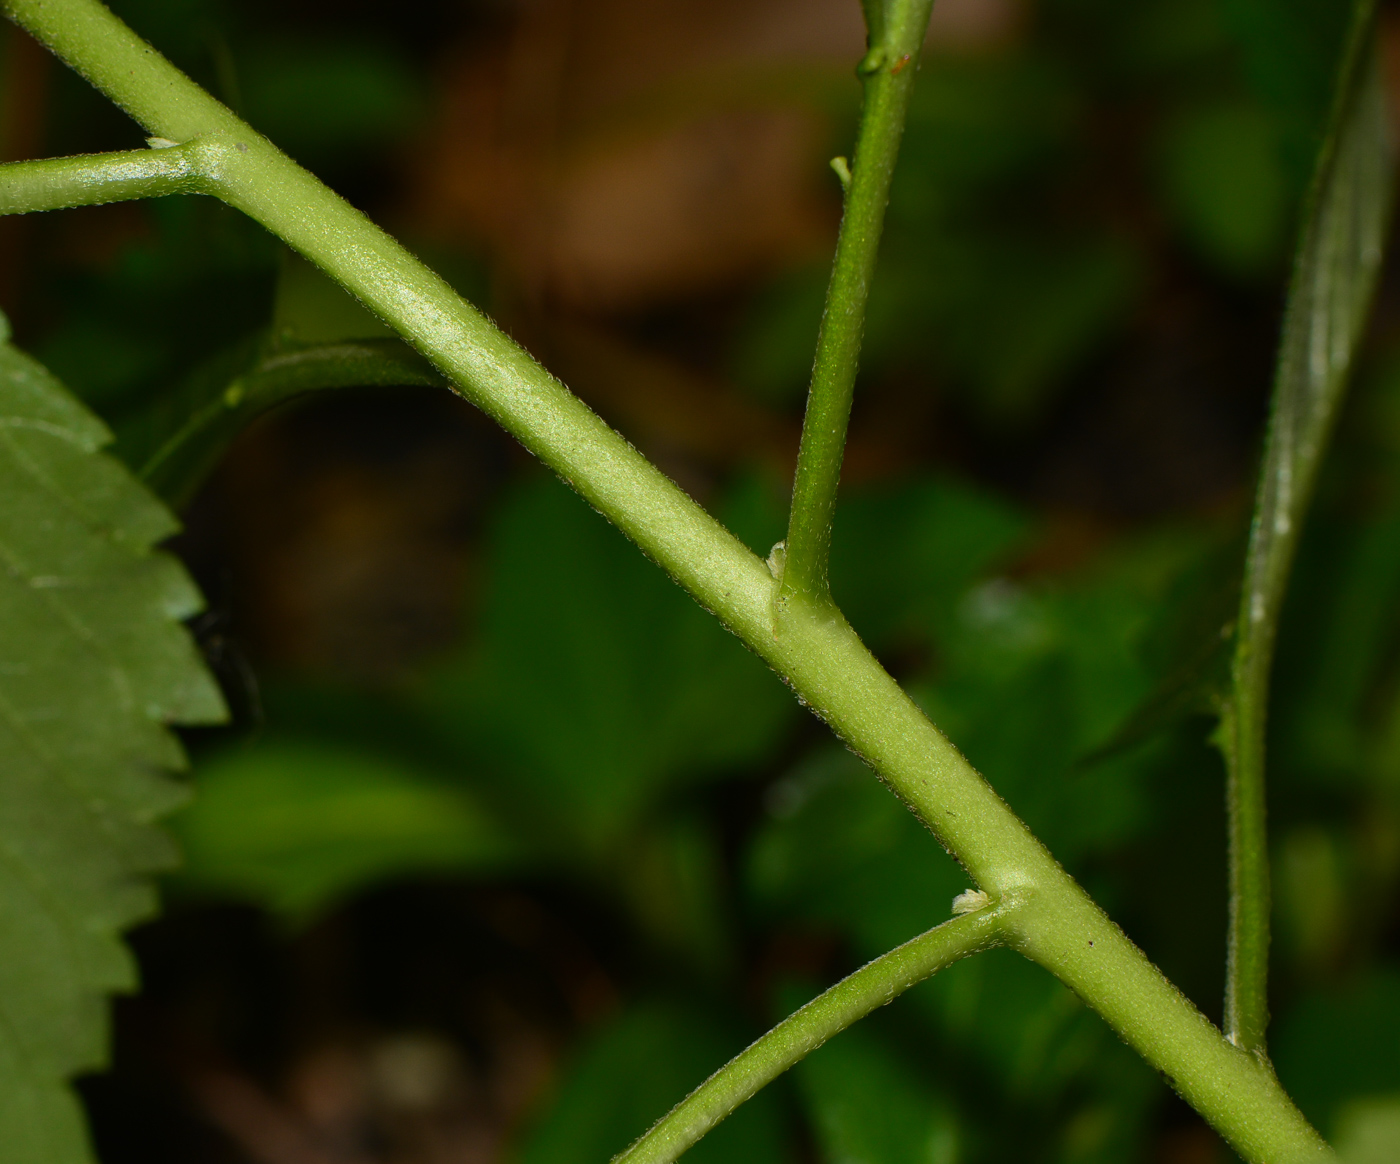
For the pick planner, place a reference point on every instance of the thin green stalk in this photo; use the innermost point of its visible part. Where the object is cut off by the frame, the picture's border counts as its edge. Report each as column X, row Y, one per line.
column 801, row 1033
column 94, row 179
column 175, row 465
column 1333, row 280
column 1056, row 922
column 897, row 30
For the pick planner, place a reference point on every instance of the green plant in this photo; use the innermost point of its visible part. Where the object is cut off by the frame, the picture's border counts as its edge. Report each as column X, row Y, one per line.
column 783, row 609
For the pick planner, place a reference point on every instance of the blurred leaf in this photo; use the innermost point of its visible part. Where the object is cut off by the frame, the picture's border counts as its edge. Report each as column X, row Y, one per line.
column 755, row 510
column 672, row 876
column 1338, row 632
column 1340, row 1045
column 299, row 825
column 312, row 308
column 596, row 686
column 1291, row 49
column 324, row 100
column 839, row 849
column 869, row 1106
column 1033, row 313
column 1167, row 35
column 1186, row 646
column 1313, row 901
column 175, row 444
column 95, row 666
column 903, row 554
column 1368, row 1132
column 1225, row 181
column 630, row 1074
column 977, row 121
column 1036, row 676
column 1334, row 278
column 1075, row 1088
column 772, row 352
column 1191, row 688
column 108, row 359
column 195, row 277
column 1009, row 314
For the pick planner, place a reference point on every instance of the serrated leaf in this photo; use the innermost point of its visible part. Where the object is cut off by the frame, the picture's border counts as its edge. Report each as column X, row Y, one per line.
column 93, row 665
column 175, row 445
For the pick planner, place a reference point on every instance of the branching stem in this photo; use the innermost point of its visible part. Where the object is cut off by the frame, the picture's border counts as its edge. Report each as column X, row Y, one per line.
column 802, row 1032
column 1055, row 922
column 897, row 30
column 93, row 179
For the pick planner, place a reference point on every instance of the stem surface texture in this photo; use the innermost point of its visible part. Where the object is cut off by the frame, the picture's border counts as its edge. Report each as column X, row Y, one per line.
column 897, row 30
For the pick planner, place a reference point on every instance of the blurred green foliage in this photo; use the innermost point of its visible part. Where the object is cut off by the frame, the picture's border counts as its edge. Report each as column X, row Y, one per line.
column 642, row 1063
column 1009, row 258
column 296, row 825
column 644, row 691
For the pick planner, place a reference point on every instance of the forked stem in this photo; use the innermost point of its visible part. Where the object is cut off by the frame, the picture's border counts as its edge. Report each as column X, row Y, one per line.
column 801, row 1033
column 897, row 29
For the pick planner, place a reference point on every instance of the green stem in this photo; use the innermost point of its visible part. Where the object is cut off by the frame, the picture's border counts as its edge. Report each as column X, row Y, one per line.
column 93, row 179
column 179, row 463
column 1056, row 923
column 897, row 30
column 801, row 1033
column 1328, row 306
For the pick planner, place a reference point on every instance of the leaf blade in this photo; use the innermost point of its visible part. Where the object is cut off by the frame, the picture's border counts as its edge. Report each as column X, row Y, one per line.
column 93, row 665
column 1334, row 278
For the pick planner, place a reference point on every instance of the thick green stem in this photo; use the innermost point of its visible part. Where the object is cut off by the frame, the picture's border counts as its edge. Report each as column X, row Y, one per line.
column 802, row 1032
column 1334, row 275
column 897, row 30
column 1056, row 923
